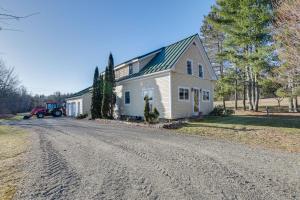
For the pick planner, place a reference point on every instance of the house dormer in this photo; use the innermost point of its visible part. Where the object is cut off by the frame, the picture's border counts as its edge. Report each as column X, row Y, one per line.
column 134, row 65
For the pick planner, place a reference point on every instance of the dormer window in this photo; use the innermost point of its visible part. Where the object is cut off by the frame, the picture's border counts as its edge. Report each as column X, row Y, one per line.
column 130, row 69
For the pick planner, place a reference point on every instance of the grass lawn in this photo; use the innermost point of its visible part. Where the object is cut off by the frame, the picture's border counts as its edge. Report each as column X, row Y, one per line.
column 13, row 144
column 280, row 132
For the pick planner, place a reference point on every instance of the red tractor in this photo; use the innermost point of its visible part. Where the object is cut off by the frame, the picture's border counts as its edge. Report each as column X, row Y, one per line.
column 52, row 109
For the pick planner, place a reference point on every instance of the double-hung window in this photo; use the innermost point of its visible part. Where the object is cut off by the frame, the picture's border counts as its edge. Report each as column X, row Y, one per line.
column 189, row 67
column 183, row 94
column 205, row 95
column 127, row 97
column 201, row 74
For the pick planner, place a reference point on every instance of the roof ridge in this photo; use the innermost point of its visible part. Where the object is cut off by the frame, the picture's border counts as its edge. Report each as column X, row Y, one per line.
column 150, row 52
column 181, row 40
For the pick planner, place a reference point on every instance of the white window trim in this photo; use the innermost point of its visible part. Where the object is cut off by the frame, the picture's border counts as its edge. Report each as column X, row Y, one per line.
column 191, row 66
column 199, row 64
column 127, row 104
column 178, row 96
column 208, row 95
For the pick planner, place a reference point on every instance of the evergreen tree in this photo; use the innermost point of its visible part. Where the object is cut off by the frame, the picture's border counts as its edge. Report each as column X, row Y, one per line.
column 112, row 93
column 100, row 96
column 106, row 95
column 95, row 112
column 248, row 43
column 109, row 97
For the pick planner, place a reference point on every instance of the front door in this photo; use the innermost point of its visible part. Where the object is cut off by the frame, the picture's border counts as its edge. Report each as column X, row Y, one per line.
column 196, row 102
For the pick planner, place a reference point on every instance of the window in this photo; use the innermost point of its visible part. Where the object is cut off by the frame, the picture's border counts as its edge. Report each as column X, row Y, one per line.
column 130, row 69
column 127, row 97
column 149, row 93
column 189, row 67
column 200, row 71
column 205, row 95
column 183, row 94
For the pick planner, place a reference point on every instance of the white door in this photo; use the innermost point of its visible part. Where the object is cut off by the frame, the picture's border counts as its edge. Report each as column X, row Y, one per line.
column 78, row 108
column 196, row 102
column 73, row 109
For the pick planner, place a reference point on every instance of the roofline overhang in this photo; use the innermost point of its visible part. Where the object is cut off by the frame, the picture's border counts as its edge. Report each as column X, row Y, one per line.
column 145, row 76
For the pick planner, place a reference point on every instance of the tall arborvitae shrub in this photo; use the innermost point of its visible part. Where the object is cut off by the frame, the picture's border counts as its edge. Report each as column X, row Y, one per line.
column 146, row 109
column 100, row 95
column 112, row 82
column 106, row 95
column 109, row 97
column 150, row 116
column 95, row 112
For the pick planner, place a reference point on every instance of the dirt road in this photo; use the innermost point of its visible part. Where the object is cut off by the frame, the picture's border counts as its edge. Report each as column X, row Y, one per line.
column 72, row 159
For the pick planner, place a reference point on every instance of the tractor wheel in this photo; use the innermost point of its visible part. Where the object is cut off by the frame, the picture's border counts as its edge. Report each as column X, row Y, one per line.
column 57, row 113
column 40, row 115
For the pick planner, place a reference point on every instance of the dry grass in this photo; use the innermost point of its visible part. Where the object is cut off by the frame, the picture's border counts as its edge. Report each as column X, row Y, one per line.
column 13, row 143
column 271, row 102
column 281, row 132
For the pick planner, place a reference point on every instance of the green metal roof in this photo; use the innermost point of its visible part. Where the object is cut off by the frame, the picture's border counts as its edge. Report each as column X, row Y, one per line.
column 82, row 92
column 165, row 58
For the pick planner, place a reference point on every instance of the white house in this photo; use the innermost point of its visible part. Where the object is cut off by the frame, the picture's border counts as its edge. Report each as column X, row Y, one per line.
column 178, row 79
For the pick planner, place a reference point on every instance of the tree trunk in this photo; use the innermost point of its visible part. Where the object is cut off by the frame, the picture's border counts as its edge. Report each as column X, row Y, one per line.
column 236, row 95
column 256, row 92
column 244, row 92
column 257, row 98
column 249, row 91
column 224, row 104
column 253, row 89
column 291, row 106
column 295, row 104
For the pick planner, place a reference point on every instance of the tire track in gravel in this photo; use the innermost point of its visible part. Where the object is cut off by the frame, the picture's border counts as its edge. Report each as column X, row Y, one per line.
column 184, row 187
column 58, row 180
column 164, row 164
column 118, row 178
column 221, row 181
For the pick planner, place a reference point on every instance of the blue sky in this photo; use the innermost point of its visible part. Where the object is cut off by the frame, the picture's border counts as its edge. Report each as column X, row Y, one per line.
column 59, row 49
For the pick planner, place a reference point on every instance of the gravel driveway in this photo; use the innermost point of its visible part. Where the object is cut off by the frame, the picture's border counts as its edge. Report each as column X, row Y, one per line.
column 72, row 159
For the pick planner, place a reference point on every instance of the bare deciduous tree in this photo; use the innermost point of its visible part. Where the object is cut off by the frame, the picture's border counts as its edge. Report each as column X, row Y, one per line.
column 287, row 36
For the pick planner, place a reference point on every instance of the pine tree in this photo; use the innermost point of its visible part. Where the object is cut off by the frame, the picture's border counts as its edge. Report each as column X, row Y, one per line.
column 248, row 43
column 95, row 96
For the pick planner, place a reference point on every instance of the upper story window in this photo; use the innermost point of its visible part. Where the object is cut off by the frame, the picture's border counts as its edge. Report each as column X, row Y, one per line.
column 189, row 65
column 205, row 95
column 127, row 97
column 201, row 74
column 183, row 94
column 130, row 69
